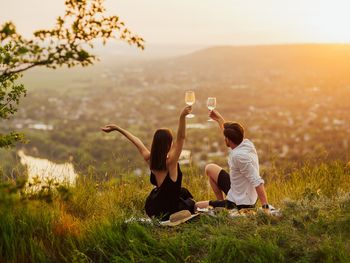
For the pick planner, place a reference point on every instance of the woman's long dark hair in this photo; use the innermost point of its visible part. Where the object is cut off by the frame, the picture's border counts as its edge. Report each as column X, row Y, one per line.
column 161, row 144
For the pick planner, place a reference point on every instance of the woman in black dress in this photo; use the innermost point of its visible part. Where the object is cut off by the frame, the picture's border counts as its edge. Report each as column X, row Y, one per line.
column 168, row 196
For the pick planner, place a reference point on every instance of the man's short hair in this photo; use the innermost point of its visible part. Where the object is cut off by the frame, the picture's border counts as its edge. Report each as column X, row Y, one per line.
column 234, row 132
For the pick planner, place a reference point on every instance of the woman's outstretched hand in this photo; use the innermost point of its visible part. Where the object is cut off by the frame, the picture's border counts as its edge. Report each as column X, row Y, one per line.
column 187, row 110
column 109, row 128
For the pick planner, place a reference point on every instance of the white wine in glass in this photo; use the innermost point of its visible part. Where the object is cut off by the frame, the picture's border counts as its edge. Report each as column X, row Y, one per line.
column 211, row 104
column 190, row 99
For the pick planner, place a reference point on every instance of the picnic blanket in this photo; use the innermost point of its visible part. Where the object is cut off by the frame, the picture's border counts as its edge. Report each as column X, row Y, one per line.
column 233, row 213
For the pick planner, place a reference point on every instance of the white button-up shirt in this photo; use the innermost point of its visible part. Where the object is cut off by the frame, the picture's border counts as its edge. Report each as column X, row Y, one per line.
column 244, row 174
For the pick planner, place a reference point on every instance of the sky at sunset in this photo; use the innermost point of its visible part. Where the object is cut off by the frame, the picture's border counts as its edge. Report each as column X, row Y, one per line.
column 206, row 22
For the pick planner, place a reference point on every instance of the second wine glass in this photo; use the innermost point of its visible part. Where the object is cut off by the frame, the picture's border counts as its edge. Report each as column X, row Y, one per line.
column 211, row 104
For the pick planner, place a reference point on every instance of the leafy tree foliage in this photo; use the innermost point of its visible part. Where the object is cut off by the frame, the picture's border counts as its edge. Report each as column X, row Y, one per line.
column 69, row 43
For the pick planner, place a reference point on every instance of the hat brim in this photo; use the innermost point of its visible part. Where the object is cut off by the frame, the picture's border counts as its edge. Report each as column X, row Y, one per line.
column 178, row 222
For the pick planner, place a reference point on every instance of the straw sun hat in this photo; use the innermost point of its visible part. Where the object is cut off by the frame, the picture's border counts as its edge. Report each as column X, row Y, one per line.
column 178, row 218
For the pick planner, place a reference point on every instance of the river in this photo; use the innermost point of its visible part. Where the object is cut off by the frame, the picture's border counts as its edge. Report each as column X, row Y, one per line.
column 45, row 170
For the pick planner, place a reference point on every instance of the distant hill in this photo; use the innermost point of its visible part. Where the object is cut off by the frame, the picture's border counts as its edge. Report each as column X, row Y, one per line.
column 327, row 61
column 279, row 56
column 322, row 63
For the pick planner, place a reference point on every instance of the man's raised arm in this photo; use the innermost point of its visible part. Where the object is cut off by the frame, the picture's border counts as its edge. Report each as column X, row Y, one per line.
column 216, row 116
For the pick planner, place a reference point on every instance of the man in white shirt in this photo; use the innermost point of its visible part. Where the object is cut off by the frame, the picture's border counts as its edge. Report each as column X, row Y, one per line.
column 243, row 184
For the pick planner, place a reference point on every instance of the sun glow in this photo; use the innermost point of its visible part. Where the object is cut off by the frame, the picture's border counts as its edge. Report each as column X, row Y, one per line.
column 331, row 21
column 207, row 22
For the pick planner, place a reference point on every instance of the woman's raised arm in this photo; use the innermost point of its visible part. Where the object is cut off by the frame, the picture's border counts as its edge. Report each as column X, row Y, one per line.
column 135, row 140
column 176, row 149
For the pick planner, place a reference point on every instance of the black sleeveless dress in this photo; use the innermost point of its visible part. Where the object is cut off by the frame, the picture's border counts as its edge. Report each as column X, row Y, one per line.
column 169, row 198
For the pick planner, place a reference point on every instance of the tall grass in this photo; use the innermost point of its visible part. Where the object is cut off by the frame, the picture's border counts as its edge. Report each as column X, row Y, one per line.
column 87, row 223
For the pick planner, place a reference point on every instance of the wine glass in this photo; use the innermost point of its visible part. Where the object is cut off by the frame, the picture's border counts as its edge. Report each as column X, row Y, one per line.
column 211, row 104
column 190, row 100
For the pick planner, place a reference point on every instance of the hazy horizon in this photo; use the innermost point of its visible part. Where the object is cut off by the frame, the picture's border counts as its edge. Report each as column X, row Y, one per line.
column 206, row 23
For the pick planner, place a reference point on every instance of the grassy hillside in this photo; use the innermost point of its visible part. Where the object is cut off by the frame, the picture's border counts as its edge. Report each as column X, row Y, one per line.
column 87, row 223
column 297, row 100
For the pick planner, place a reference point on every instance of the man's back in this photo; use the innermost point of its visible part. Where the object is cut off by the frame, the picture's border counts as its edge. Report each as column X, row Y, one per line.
column 243, row 162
